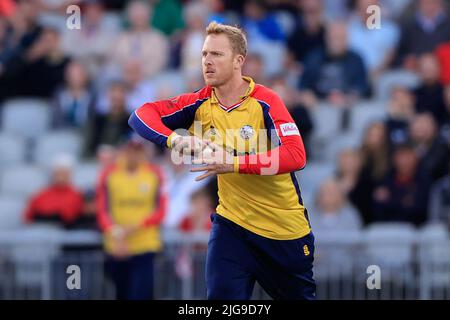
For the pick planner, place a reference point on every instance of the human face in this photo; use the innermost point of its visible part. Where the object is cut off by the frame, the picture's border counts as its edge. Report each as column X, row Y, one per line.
column 61, row 176
column 219, row 61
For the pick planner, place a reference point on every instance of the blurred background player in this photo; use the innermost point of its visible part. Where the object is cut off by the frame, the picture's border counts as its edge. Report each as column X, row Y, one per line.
column 131, row 205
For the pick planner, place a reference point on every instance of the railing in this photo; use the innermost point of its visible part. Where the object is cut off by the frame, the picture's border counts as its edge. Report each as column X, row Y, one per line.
column 33, row 265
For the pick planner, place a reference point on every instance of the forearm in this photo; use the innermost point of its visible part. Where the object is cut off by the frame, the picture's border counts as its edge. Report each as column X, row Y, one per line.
column 283, row 159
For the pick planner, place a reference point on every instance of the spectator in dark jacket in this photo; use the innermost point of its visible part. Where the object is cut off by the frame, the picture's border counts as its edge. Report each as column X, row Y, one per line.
column 403, row 195
column 74, row 101
column 374, row 167
column 111, row 128
column 336, row 73
column 40, row 69
column 400, row 112
column 433, row 153
column 309, row 33
column 429, row 95
column 439, row 206
column 427, row 28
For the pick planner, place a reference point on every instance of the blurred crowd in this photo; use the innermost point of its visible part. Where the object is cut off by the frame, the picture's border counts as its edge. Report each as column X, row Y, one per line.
column 314, row 53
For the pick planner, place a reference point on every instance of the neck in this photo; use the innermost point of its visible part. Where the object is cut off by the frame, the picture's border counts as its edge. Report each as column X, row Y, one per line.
column 230, row 92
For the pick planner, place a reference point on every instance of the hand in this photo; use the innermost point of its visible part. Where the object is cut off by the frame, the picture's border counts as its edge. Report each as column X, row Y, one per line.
column 120, row 249
column 190, row 145
column 129, row 230
column 217, row 161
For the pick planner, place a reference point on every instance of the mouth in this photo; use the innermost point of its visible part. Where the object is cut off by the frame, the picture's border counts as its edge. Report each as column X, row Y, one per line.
column 209, row 72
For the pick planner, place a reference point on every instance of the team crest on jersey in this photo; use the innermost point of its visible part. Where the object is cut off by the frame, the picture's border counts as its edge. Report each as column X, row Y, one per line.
column 246, row 132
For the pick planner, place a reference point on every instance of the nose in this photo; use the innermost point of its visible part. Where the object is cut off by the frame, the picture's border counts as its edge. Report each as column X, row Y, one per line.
column 207, row 61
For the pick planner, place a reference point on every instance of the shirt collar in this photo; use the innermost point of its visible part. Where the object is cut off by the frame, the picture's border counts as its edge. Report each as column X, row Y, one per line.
column 249, row 91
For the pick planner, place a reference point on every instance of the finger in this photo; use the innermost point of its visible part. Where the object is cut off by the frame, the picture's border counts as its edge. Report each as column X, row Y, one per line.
column 203, row 168
column 205, row 175
column 203, row 159
column 213, row 146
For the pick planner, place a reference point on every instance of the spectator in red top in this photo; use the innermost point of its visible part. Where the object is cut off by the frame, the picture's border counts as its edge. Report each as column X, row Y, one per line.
column 7, row 8
column 201, row 208
column 60, row 202
column 443, row 55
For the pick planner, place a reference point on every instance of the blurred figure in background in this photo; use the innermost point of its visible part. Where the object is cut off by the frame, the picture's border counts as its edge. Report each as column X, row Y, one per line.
column 443, row 55
column 432, row 151
column 428, row 27
column 309, row 32
column 332, row 211
column 75, row 100
column 195, row 14
column 139, row 90
column 167, row 16
column 131, row 203
column 17, row 34
column 254, row 67
column 180, row 187
column 439, row 206
column 403, row 195
column 349, row 167
column 336, row 74
column 87, row 220
column 400, row 113
column 375, row 166
column 106, row 155
column 445, row 127
column 111, row 128
column 141, row 41
column 39, row 70
column 92, row 43
column 199, row 217
column 375, row 46
column 300, row 114
column 60, row 203
column 429, row 95
column 265, row 35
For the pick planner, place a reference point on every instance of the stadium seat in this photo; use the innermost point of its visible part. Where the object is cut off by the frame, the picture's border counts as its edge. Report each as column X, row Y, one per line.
column 391, row 244
column 22, row 181
column 434, row 243
column 12, row 150
column 11, row 211
column 54, row 143
column 349, row 140
column 32, row 248
column 314, row 174
column 172, row 79
column 364, row 113
column 434, row 258
column 27, row 117
column 391, row 79
column 85, row 176
column 327, row 125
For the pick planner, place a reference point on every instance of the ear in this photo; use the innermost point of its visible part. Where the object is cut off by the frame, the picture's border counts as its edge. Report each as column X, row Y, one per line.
column 239, row 61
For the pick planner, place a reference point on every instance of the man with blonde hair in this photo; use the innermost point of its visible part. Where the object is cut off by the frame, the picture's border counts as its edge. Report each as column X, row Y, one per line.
column 242, row 132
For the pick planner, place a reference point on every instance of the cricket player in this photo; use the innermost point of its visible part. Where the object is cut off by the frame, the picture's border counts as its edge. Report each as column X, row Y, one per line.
column 260, row 230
